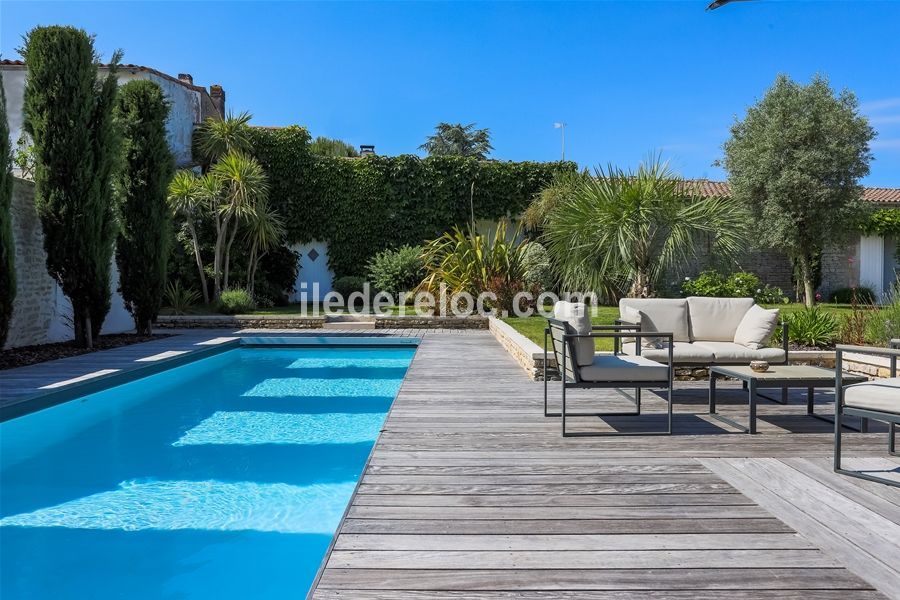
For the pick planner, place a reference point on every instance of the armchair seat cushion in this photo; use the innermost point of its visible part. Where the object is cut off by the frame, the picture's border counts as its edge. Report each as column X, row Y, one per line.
column 612, row 368
column 729, row 352
column 682, row 352
column 880, row 395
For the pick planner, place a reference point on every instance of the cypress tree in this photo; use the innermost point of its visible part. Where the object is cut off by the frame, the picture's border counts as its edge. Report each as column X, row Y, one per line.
column 142, row 250
column 7, row 252
column 69, row 115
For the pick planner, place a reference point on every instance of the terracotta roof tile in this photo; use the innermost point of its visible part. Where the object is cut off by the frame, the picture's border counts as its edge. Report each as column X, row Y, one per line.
column 705, row 187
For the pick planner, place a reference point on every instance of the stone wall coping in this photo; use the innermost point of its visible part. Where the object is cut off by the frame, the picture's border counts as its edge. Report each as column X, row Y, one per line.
column 527, row 346
column 180, row 318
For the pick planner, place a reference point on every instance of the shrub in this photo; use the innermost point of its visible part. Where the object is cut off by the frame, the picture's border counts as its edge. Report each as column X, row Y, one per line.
column 347, row 285
column 236, row 301
column 179, row 299
column 813, row 327
column 396, row 271
column 864, row 295
column 538, row 271
column 142, row 250
column 737, row 285
column 884, row 325
column 467, row 262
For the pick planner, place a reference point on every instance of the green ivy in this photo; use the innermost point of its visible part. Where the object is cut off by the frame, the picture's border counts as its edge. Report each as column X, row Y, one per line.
column 883, row 221
column 361, row 206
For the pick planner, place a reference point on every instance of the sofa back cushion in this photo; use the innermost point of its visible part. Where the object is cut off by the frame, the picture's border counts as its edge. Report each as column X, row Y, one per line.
column 716, row 319
column 660, row 314
column 578, row 316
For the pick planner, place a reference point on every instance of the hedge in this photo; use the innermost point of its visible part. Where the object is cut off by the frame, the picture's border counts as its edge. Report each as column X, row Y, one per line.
column 360, row 206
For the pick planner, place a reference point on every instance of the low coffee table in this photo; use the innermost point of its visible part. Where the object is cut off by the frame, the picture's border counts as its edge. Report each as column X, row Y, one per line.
column 778, row 376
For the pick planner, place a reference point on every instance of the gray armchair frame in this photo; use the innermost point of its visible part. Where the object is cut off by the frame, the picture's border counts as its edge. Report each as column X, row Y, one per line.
column 840, row 410
column 570, row 374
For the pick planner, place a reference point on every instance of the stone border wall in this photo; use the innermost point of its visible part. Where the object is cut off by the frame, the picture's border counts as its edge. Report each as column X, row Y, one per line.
column 240, row 322
column 430, row 322
column 530, row 357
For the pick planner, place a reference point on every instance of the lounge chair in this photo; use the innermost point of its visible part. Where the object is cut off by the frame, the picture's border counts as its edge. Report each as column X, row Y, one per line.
column 572, row 338
column 878, row 399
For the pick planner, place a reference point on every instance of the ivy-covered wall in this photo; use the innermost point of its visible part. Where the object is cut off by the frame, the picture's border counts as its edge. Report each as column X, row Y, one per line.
column 360, row 206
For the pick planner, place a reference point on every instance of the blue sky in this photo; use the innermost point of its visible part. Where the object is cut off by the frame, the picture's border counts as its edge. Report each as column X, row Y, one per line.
column 628, row 77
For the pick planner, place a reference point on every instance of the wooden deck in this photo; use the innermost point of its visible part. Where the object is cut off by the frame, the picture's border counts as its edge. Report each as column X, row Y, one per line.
column 472, row 493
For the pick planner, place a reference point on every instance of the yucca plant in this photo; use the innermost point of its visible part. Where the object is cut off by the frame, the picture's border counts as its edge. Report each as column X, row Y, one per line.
column 624, row 230
column 468, row 262
column 813, row 327
column 179, row 299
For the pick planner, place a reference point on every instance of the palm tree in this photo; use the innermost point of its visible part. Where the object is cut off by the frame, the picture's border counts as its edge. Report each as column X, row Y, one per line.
column 244, row 186
column 191, row 198
column 624, row 230
column 216, row 137
column 545, row 202
column 458, row 140
column 265, row 231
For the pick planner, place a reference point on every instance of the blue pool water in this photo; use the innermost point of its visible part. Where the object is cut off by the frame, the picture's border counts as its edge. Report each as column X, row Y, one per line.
column 222, row 478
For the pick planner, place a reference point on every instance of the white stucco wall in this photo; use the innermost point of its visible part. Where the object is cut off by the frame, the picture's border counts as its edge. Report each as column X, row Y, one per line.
column 184, row 112
column 41, row 312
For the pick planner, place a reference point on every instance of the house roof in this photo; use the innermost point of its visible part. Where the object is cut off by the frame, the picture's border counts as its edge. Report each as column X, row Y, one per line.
column 126, row 67
column 705, row 187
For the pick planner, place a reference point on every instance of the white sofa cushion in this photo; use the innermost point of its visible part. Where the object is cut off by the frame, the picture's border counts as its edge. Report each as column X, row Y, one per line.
column 716, row 319
column 607, row 367
column 660, row 314
column 577, row 315
column 756, row 327
column 881, row 395
column 682, row 352
column 729, row 352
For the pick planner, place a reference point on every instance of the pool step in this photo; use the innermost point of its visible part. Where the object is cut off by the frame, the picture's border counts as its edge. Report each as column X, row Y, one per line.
column 349, row 325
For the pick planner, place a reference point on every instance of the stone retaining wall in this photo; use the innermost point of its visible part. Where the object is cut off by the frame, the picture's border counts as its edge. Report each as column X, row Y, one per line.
column 430, row 322
column 240, row 322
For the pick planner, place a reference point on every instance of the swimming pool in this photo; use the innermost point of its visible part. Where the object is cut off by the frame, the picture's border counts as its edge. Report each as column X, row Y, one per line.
column 222, row 478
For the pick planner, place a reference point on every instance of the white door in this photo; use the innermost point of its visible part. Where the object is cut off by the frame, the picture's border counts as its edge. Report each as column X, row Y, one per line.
column 871, row 264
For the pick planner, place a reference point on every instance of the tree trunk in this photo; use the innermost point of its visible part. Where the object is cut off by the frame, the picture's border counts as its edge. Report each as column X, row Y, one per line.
column 143, row 325
column 809, row 291
column 81, row 318
column 199, row 259
column 228, row 253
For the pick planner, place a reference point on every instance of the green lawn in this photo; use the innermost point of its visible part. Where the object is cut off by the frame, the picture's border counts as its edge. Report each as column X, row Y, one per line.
column 533, row 327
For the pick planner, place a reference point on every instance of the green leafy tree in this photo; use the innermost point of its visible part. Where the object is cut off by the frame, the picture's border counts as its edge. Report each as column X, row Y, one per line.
column 142, row 250
column 7, row 251
column 796, row 160
column 265, row 232
column 623, row 230
column 324, row 146
column 456, row 139
column 69, row 116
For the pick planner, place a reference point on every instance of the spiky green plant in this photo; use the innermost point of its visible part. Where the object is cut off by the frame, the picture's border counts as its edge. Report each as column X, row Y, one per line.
column 623, row 230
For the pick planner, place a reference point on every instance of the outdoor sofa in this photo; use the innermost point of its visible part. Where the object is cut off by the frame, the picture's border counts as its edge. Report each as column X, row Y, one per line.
column 706, row 331
column 878, row 399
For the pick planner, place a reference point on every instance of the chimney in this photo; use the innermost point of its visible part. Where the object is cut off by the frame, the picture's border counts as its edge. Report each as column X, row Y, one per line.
column 217, row 95
column 186, row 77
column 366, row 150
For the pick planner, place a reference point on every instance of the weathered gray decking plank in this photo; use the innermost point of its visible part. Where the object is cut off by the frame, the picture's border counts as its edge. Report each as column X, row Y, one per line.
column 472, row 493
